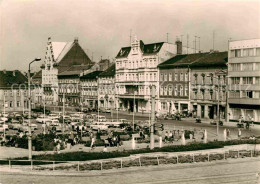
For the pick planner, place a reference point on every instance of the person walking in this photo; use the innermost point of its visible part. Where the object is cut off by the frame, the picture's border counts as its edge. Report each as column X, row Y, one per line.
column 92, row 137
column 239, row 133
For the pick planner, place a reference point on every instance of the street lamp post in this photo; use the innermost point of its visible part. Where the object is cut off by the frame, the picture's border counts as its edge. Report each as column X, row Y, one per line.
column 152, row 117
column 218, row 101
column 29, row 115
column 44, row 132
column 134, row 113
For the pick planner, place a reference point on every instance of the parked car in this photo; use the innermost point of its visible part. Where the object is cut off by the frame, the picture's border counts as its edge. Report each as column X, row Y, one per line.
column 214, row 122
column 53, row 116
column 41, row 119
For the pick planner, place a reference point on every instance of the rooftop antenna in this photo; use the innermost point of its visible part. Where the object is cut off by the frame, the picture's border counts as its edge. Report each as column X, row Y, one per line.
column 195, row 44
column 187, row 44
column 199, row 44
column 130, row 36
column 167, row 35
column 213, row 40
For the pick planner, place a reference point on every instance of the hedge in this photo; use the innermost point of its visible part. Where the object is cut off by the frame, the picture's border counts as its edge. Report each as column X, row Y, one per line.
column 84, row 156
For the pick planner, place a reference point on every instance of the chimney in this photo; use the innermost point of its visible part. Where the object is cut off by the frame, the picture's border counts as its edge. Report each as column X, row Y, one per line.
column 76, row 40
column 179, row 46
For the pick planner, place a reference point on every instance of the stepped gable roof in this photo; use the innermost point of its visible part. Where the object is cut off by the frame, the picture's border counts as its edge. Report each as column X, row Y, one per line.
column 110, row 72
column 12, row 79
column 213, row 59
column 145, row 48
column 92, row 75
column 183, row 60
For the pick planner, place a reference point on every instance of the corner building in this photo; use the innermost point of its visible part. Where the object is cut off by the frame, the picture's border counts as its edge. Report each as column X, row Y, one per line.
column 244, row 79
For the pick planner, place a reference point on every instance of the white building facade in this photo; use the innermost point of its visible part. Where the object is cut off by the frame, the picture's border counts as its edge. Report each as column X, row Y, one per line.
column 244, row 79
column 136, row 71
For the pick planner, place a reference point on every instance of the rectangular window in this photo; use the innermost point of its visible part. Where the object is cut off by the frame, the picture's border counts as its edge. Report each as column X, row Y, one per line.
column 245, row 52
column 176, row 77
column 170, row 76
column 186, row 77
column 235, row 67
column 161, row 77
column 165, row 90
column 257, row 66
column 238, row 53
column 176, row 91
column 232, row 53
column 258, row 51
column 181, row 91
column 181, row 77
column 10, row 104
column 170, row 90
column 247, row 67
column 18, row 104
column 235, row 80
column 165, row 77
column 186, row 90
column 257, row 80
column 161, row 90
column 247, row 80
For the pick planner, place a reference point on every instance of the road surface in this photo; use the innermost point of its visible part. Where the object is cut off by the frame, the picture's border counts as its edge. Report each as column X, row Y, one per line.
column 239, row 171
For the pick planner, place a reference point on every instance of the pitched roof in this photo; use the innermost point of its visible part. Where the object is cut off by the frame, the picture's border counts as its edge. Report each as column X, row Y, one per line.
column 183, row 60
column 74, row 71
column 213, row 59
column 124, row 51
column 60, row 49
column 92, row 75
column 37, row 75
column 110, row 72
column 10, row 79
column 145, row 48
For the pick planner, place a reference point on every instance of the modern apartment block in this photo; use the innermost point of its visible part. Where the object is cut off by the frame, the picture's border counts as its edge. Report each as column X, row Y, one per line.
column 136, row 71
column 244, row 79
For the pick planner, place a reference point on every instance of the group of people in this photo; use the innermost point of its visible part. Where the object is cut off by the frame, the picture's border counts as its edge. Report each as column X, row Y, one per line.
column 250, row 121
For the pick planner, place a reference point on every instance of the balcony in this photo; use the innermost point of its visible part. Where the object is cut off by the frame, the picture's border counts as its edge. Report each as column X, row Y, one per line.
column 247, row 101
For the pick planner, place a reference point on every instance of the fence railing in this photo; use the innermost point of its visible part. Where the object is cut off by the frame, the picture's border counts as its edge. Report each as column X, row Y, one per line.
column 132, row 161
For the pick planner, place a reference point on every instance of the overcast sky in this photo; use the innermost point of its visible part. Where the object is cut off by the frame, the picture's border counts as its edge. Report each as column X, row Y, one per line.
column 103, row 26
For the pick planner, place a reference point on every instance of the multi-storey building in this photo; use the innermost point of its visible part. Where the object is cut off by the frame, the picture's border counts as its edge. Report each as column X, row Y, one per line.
column 59, row 57
column 36, row 81
column 244, row 79
column 175, row 83
column 208, row 84
column 13, row 91
column 106, row 88
column 89, row 89
column 136, row 71
column 69, row 85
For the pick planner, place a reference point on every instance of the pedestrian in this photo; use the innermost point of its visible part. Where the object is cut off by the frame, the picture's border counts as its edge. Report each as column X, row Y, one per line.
column 118, row 140
column 252, row 121
column 92, row 137
column 239, row 133
column 105, row 148
column 228, row 133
